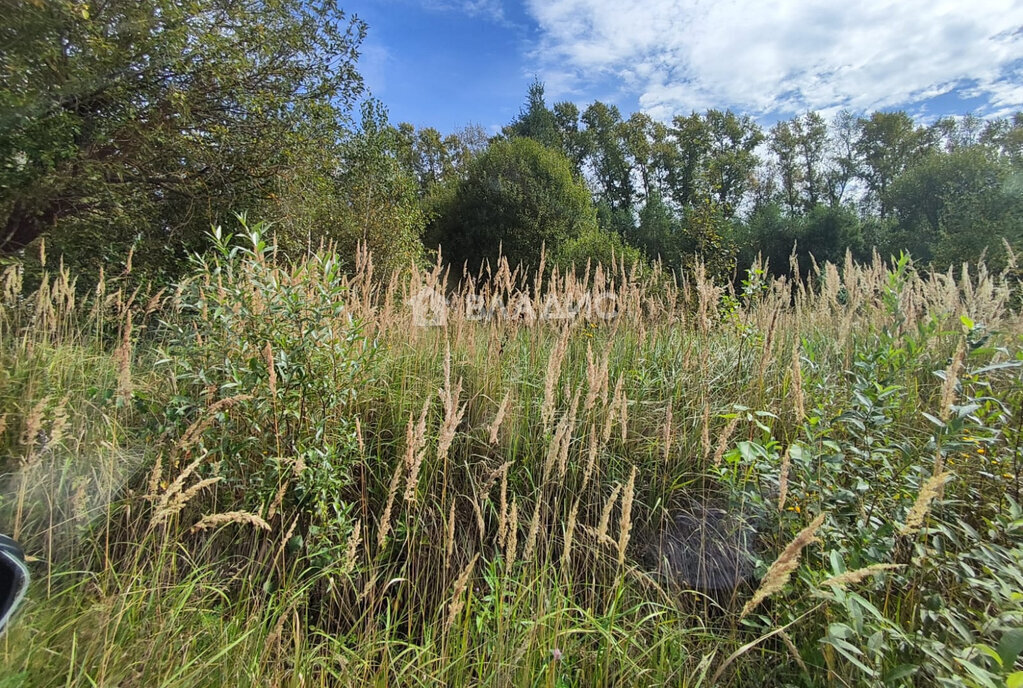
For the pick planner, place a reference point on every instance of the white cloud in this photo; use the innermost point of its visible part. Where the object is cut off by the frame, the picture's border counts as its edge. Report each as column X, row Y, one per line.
column 785, row 57
column 487, row 9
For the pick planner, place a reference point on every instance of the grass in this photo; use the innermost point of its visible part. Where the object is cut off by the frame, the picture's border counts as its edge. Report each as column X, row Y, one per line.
column 269, row 475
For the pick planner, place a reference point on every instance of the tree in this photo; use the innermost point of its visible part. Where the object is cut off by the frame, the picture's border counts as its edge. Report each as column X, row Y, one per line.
column 1006, row 136
column 684, row 166
column 608, row 156
column 159, row 118
column 953, row 207
column 783, row 145
column 844, row 166
column 800, row 145
column 574, row 141
column 888, row 143
column 377, row 200
column 731, row 159
column 514, row 197
column 535, row 120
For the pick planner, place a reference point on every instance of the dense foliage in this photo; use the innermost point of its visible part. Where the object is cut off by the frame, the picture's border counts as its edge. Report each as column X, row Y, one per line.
column 275, row 475
column 514, row 198
column 300, row 456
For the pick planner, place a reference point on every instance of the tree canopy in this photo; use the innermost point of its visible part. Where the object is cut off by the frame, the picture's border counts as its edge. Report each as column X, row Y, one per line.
column 126, row 119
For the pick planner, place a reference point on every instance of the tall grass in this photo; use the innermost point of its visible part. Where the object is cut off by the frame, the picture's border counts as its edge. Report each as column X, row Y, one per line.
column 277, row 474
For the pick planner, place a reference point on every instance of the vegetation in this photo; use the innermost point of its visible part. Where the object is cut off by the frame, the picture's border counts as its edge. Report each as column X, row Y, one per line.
column 271, row 476
column 600, row 400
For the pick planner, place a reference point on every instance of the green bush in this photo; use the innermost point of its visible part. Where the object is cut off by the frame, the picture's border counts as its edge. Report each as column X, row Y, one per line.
column 277, row 343
column 597, row 246
column 514, row 198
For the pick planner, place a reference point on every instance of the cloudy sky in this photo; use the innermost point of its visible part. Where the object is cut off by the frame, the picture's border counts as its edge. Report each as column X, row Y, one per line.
column 448, row 63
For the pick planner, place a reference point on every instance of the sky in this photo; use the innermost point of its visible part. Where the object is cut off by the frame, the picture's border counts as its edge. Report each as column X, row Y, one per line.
column 451, row 63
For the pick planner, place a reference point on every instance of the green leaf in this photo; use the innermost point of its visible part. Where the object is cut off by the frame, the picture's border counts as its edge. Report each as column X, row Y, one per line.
column 967, row 322
column 1014, row 680
column 1010, row 646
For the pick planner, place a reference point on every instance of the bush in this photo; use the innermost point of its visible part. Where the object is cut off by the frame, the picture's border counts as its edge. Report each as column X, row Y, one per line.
column 597, row 246
column 515, row 197
column 276, row 345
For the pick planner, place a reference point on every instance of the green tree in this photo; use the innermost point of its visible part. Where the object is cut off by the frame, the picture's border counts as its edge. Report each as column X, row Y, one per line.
column 731, row 159
column 514, row 197
column 954, row 207
column 888, row 143
column 596, row 246
column 609, row 156
column 684, row 165
column 126, row 118
column 536, row 120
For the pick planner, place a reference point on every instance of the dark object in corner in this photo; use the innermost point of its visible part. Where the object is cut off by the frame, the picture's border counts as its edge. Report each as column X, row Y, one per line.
column 13, row 579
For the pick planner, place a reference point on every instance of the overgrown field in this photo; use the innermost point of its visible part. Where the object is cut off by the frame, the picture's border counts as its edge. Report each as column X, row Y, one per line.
column 275, row 474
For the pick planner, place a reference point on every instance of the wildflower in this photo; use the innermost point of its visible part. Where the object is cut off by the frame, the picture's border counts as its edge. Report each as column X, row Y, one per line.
column 1007, row 476
column 980, row 450
column 556, row 654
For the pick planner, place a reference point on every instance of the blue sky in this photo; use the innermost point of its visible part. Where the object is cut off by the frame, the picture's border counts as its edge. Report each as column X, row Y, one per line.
column 449, row 63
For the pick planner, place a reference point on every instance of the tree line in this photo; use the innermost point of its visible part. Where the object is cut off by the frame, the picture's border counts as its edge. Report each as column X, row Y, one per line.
column 130, row 126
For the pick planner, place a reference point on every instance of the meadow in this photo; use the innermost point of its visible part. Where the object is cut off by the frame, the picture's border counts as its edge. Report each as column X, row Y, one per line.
column 279, row 474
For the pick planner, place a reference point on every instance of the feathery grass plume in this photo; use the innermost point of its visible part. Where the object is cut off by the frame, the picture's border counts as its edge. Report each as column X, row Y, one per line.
column 605, row 514
column 793, row 651
column 449, row 536
column 723, row 439
column 481, row 523
column 623, row 415
column 155, row 478
column 705, row 431
column 59, row 423
column 918, row 512
column 625, row 532
column 592, row 379
column 499, row 418
column 458, row 598
column 787, row 562
column 33, row 426
column 415, row 451
column 175, row 498
column 616, row 398
column 554, row 447
column 512, row 541
column 358, row 436
column 948, row 387
column 566, row 555
column 216, row 520
column 553, row 374
column 351, row 549
column 798, row 403
column 852, row 577
column 591, row 457
column 566, row 435
column 271, row 368
column 502, row 517
column 385, row 518
column 534, row 530
column 194, row 431
column 783, row 478
column 452, row 413
column 3, row 423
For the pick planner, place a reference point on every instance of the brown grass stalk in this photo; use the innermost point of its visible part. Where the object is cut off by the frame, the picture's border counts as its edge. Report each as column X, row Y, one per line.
column 217, row 520
column 787, row 562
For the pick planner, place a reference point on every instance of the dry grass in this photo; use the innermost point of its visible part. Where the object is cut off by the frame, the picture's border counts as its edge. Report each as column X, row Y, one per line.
column 575, row 422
